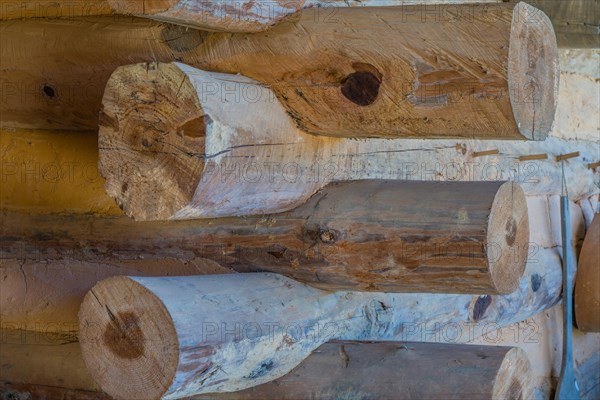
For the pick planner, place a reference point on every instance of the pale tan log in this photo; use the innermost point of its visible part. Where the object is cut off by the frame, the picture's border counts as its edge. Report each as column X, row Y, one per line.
column 393, row 370
column 384, row 72
column 256, row 16
column 17, row 9
column 587, row 282
column 373, row 82
column 575, row 21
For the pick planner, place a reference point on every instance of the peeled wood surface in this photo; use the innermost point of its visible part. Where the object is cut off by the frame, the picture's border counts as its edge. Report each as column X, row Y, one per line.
column 393, row 370
column 213, row 331
column 418, row 91
column 467, row 237
column 382, row 72
column 176, row 142
column 587, row 282
column 248, row 15
column 575, row 21
column 17, row 9
column 84, row 249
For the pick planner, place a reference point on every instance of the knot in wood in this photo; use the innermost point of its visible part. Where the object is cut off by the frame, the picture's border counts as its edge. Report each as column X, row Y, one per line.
column 327, row 236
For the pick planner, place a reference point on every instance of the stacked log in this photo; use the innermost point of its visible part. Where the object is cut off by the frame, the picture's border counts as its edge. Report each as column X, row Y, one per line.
column 172, row 146
column 505, row 87
column 391, row 370
column 42, row 253
column 574, row 21
column 173, row 337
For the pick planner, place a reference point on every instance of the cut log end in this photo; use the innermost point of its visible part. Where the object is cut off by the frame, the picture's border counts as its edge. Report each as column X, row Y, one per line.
column 513, row 380
column 152, row 138
column 587, row 282
column 141, row 7
column 533, row 71
column 508, row 237
column 128, row 340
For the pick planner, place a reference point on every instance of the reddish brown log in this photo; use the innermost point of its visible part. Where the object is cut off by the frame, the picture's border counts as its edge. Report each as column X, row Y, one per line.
column 587, row 282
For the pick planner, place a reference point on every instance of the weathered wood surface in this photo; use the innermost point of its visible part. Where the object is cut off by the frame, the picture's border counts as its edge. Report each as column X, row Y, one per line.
column 468, row 237
column 175, row 144
column 408, row 92
column 587, row 283
column 171, row 148
column 398, row 370
column 574, row 21
column 45, row 253
column 18, row 9
column 398, row 76
column 178, row 336
column 256, row 16
column 52, row 172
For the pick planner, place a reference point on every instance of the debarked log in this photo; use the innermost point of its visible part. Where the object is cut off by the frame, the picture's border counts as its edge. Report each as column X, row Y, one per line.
column 173, row 337
column 375, row 72
column 393, row 370
column 165, row 129
column 383, row 72
column 454, row 237
column 574, row 21
column 254, row 16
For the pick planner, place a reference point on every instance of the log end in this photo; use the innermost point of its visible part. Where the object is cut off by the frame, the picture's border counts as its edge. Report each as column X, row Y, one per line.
column 141, row 7
column 587, row 282
column 151, row 140
column 508, row 238
column 533, row 71
column 513, row 379
column 128, row 340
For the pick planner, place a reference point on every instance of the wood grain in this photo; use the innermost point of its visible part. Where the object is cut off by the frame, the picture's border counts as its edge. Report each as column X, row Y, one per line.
column 394, row 370
column 213, row 332
column 369, row 74
column 587, row 281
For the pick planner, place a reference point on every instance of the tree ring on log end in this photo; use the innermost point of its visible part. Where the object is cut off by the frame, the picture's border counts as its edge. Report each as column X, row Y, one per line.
column 533, row 71
column 152, row 138
column 513, row 379
column 141, row 7
column 508, row 237
column 128, row 336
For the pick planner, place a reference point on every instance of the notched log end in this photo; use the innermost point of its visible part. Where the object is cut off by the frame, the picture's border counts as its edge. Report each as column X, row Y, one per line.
column 533, row 71
column 128, row 340
column 151, row 140
column 507, row 237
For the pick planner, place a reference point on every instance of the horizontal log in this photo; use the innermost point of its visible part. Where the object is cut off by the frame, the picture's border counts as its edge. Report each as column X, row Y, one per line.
column 574, row 21
column 394, row 370
column 18, row 9
column 406, row 102
column 52, row 172
column 172, row 147
column 180, row 336
column 45, row 252
column 468, row 237
column 404, row 87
